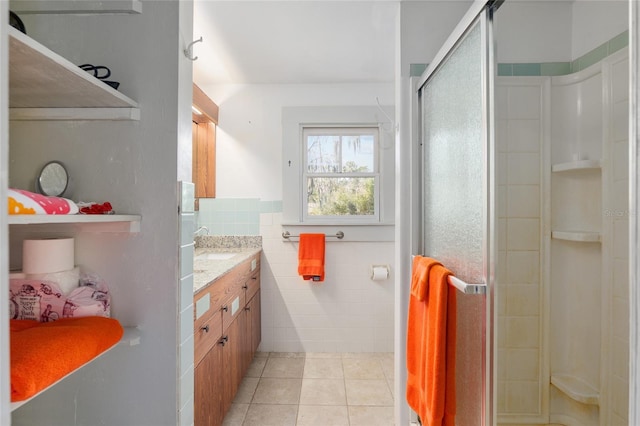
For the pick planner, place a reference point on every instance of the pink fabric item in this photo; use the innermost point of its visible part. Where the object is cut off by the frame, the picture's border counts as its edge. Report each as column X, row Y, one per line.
column 25, row 202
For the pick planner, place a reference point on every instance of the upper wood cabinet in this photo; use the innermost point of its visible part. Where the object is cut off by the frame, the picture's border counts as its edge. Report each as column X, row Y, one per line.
column 205, row 120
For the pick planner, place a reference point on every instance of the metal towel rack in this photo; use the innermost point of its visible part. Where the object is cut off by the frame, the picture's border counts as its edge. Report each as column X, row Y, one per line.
column 464, row 287
column 287, row 236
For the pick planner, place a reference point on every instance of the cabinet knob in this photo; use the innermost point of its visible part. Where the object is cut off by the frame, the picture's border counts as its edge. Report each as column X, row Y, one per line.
column 245, row 286
column 247, row 308
column 205, row 328
column 225, row 308
column 254, row 278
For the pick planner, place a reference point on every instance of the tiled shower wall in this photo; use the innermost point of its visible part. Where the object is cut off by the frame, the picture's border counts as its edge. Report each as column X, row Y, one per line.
column 616, row 215
column 519, row 142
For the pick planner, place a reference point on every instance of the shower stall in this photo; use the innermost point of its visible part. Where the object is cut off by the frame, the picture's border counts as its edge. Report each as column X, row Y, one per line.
column 554, row 234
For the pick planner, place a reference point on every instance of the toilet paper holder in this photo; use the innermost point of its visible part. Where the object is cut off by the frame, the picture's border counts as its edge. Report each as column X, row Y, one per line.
column 379, row 272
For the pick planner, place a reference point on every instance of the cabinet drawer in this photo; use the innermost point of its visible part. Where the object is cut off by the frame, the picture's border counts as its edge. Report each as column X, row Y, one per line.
column 207, row 335
column 252, row 285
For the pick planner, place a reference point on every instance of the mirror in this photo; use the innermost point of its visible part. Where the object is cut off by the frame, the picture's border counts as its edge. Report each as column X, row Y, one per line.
column 53, row 179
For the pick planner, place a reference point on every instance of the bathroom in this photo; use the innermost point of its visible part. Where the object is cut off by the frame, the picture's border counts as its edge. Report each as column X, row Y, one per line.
column 358, row 314
column 527, row 301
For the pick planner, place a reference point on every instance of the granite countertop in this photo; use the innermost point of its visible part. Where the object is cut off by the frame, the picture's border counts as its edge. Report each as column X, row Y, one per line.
column 207, row 270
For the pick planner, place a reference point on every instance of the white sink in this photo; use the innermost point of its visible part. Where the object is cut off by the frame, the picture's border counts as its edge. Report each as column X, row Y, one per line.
column 215, row 256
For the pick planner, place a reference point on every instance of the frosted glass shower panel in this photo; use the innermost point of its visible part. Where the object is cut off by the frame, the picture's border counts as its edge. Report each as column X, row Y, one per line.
column 454, row 163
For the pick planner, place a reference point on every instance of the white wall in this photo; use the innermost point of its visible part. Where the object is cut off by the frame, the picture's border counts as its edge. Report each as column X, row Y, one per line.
column 595, row 22
column 132, row 165
column 347, row 312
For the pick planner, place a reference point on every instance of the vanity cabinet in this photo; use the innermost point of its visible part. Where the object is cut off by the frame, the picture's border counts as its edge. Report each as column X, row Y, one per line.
column 227, row 334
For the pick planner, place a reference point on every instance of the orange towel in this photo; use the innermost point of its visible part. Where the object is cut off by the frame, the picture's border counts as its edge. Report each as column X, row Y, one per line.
column 431, row 343
column 311, row 257
column 43, row 353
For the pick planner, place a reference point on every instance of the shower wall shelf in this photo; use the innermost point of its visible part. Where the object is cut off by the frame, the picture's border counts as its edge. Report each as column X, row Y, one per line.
column 576, row 389
column 26, row 7
column 577, row 236
column 576, row 165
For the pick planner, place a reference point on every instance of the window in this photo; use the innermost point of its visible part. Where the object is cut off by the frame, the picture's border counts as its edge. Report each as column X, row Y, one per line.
column 338, row 169
column 340, row 175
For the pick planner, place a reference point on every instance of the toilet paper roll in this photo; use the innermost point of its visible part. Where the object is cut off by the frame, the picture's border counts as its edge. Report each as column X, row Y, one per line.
column 379, row 272
column 66, row 280
column 47, row 256
column 17, row 275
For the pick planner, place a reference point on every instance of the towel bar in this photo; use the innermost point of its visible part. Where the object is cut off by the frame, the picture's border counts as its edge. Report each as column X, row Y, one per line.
column 464, row 287
column 339, row 235
column 467, row 288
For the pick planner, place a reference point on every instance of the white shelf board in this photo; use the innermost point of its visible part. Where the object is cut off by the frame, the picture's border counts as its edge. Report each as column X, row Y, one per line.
column 95, row 222
column 75, row 7
column 131, row 337
column 576, row 165
column 58, row 114
column 576, row 389
column 40, row 78
column 578, row 236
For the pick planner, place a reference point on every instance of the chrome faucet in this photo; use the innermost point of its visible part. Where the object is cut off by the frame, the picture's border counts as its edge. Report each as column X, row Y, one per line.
column 202, row 228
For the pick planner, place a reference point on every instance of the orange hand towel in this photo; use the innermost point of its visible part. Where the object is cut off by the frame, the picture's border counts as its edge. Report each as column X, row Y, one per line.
column 311, row 257
column 43, row 353
column 431, row 339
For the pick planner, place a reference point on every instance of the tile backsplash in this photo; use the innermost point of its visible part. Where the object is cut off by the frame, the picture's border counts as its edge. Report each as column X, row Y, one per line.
column 234, row 216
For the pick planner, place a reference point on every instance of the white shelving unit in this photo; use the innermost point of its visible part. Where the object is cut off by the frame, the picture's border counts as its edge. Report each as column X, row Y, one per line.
column 25, row 7
column 45, row 86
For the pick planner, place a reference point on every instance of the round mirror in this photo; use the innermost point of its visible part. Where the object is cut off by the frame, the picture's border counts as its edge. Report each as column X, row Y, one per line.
column 53, row 179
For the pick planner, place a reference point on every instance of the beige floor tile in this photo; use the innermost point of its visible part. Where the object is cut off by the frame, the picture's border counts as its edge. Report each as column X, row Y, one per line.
column 387, row 367
column 260, row 354
column 246, row 390
column 362, row 368
column 256, row 367
column 235, row 415
column 363, row 355
column 271, row 415
column 370, row 416
column 291, row 368
column 321, row 368
column 314, row 415
column 278, row 391
column 323, row 392
column 368, row 392
column 336, row 355
column 287, row 355
column 391, row 384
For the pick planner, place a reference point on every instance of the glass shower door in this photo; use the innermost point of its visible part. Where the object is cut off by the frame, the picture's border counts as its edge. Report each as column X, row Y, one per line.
column 457, row 198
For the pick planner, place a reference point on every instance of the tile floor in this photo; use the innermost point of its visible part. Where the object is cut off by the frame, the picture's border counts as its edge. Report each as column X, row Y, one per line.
column 315, row 389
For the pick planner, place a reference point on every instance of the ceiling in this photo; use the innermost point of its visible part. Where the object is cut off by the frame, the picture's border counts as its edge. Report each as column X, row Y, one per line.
column 294, row 42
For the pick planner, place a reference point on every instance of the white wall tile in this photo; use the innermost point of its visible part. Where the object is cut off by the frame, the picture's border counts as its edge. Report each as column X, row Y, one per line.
column 522, row 332
column 523, row 267
column 620, row 160
column 522, row 397
column 523, row 300
column 523, row 234
column 502, row 138
column 620, row 121
column 523, row 103
column 523, row 136
column 523, row 201
column 523, row 169
column 523, row 364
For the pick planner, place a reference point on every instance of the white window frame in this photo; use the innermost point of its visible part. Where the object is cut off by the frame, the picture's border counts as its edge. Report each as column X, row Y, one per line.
column 294, row 119
column 341, row 130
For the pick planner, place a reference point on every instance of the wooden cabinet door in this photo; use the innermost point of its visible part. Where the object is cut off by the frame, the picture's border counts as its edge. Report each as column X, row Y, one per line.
column 204, row 159
column 232, row 359
column 208, row 408
column 256, row 323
